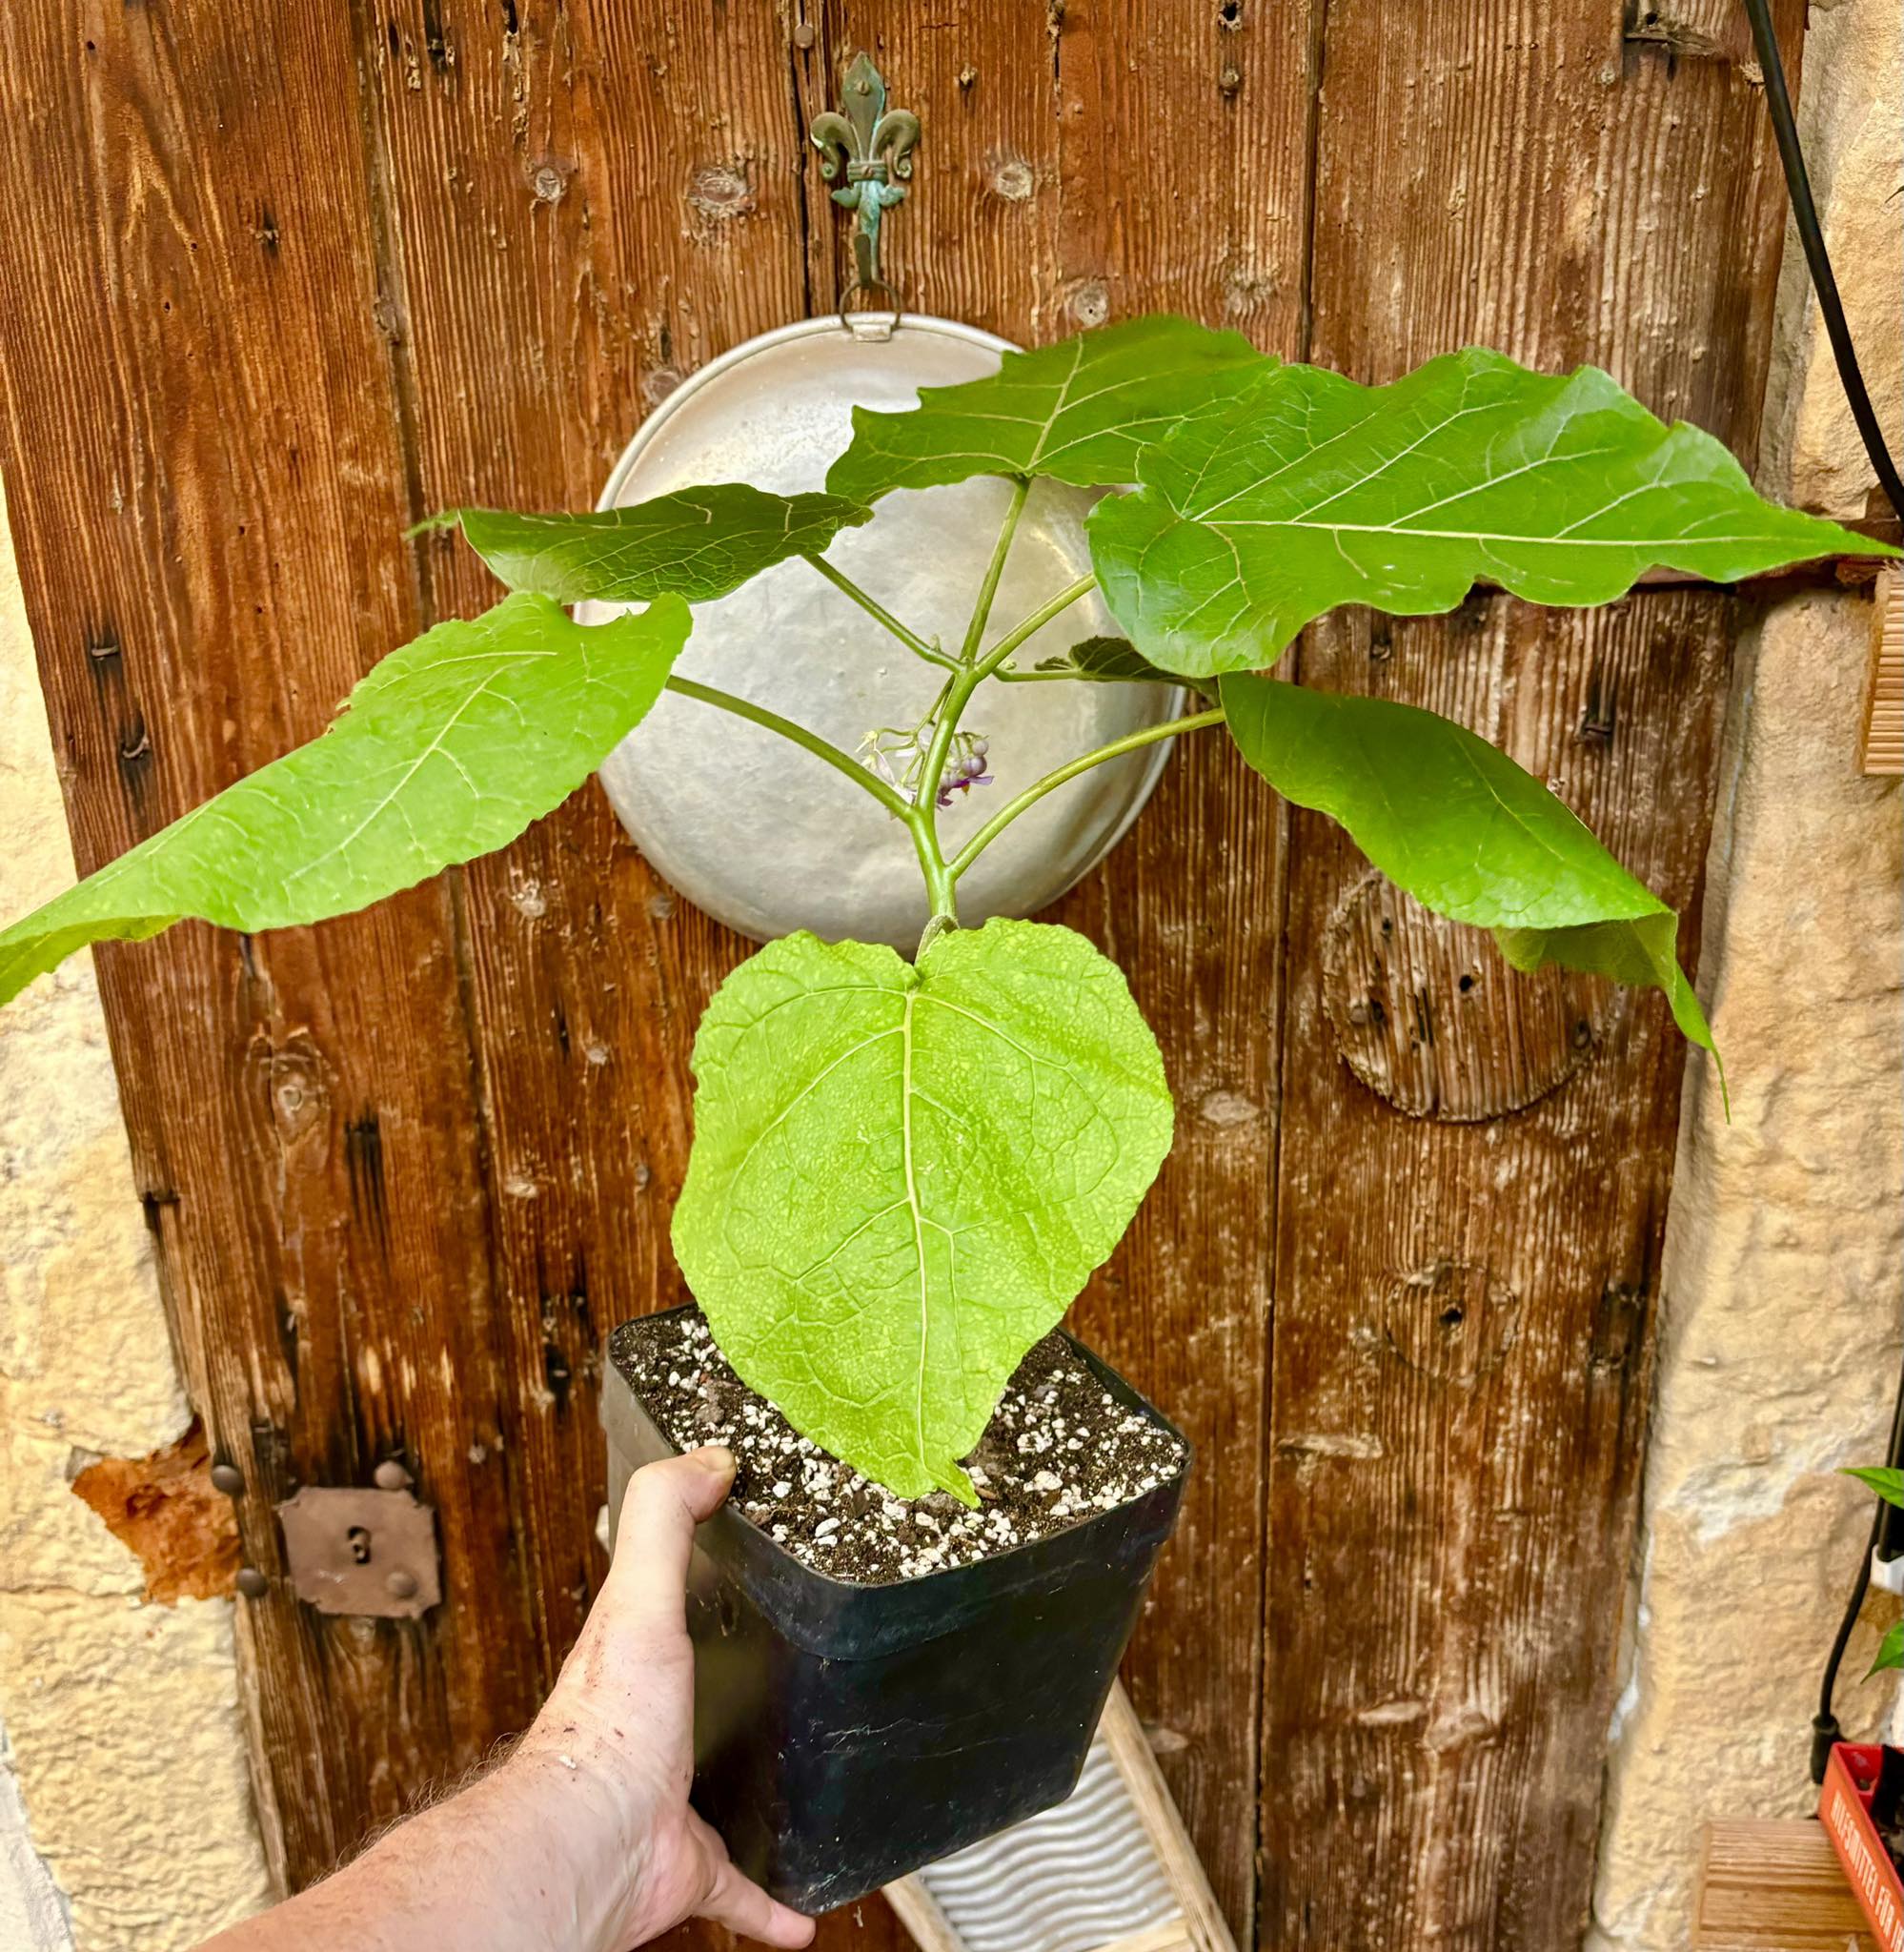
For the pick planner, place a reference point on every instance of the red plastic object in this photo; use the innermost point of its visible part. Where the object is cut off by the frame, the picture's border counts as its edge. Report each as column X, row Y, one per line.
column 1844, row 1808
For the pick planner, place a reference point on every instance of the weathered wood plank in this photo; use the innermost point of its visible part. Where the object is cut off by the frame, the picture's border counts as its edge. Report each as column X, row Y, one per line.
column 1465, row 1290
column 1081, row 163
column 587, row 203
column 205, row 473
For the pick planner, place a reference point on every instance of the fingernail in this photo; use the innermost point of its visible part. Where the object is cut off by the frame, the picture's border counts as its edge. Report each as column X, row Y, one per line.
column 716, row 1459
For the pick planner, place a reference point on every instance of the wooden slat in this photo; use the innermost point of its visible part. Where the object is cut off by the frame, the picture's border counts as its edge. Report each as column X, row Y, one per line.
column 1883, row 753
column 1774, row 1886
column 206, row 471
column 1093, row 167
column 1200, row 1922
column 1469, row 1220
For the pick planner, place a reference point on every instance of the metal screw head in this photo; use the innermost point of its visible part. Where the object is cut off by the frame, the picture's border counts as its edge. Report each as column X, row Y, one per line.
column 1229, row 81
column 252, row 1583
column 400, row 1585
column 390, row 1475
column 228, row 1478
column 803, row 35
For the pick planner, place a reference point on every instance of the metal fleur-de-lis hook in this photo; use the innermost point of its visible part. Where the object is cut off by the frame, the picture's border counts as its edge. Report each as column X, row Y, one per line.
column 873, row 146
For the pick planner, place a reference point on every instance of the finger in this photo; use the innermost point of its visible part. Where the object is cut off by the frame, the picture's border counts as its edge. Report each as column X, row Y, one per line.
column 742, row 1907
column 666, row 1501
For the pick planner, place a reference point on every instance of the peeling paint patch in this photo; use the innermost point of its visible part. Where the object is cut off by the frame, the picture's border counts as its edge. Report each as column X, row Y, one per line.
column 164, row 1509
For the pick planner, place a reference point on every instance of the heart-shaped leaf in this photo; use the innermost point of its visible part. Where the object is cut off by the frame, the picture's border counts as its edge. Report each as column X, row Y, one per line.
column 1079, row 411
column 447, row 749
column 1306, row 491
column 698, row 543
column 903, row 1175
column 1115, row 661
column 1465, row 831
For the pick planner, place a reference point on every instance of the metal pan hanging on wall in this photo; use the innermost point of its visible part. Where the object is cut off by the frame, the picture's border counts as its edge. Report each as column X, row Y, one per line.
column 760, row 835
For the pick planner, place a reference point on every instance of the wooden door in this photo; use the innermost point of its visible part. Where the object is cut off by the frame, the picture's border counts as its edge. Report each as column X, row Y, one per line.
column 283, row 280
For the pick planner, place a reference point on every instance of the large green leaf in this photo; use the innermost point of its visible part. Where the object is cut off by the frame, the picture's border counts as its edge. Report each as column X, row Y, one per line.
column 1079, row 411
column 1306, row 491
column 903, row 1175
column 698, row 543
column 449, row 748
column 1459, row 825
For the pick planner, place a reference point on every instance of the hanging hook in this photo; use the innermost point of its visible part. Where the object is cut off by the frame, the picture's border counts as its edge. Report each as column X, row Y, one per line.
column 871, row 145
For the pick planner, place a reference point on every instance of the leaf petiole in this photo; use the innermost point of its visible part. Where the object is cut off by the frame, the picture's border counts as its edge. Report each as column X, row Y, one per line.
column 993, row 659
column 810, row 742
column 918, row 646
column 1132, row 741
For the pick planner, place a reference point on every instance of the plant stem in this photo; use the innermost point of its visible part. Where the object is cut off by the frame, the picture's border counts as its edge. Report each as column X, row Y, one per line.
column 918, row 646
column 941, row 884
column 1032, row 625
column 981, row 610
column 811, row 741
column 1132, row 741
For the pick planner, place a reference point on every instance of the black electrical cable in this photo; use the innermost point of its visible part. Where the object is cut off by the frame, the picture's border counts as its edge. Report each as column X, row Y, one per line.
column 1824, row 1728
column 1805, row 213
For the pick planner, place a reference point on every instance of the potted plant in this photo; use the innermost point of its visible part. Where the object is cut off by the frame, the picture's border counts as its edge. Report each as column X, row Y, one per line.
column 904, row 1170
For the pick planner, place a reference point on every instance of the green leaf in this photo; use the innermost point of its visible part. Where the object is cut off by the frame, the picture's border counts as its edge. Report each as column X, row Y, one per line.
column 698, row 543
column 1465, row 831
column 1114, row 660
column 901, row 1176
column 446, row 750
column 1890, row 1650
column 1306, row 491
column 1080, row 411
column 1887, row 1483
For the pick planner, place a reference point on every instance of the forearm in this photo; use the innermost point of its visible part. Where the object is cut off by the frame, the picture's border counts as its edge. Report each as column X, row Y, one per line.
column 518, row 1864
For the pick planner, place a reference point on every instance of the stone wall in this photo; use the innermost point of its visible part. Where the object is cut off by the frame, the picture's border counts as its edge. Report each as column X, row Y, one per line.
column 1783, row 1282
column 126, row 1820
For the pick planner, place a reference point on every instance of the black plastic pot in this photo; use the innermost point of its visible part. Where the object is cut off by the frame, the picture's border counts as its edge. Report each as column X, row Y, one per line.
column 845, row 1734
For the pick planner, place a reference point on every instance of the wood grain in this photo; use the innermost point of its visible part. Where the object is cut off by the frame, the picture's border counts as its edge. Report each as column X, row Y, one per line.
column 1776, row 1887
column 1467, row 1241
column 206, row 485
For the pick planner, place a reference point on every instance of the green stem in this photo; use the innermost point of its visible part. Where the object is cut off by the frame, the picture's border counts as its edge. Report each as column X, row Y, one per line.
column 941, row 884
column 981, row 610
column 919, row 646
column 1132, row 741
column 1031, row 626
column 810, row 742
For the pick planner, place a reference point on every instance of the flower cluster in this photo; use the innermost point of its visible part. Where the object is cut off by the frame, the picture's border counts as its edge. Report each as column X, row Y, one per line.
column 897, row 756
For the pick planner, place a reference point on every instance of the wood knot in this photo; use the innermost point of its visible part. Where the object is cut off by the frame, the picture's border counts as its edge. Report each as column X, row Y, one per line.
column 1430, row 1017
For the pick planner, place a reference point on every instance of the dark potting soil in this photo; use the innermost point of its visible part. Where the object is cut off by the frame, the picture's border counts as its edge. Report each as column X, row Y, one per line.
column 1060, row 1448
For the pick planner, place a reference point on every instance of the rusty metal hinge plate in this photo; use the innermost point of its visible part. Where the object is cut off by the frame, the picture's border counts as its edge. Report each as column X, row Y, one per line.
column 362, row 1552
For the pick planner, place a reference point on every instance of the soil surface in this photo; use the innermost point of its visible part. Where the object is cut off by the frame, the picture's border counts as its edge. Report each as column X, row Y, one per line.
column 1058, row 1450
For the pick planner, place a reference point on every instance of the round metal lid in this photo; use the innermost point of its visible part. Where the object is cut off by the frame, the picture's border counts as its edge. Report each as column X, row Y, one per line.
column 762, row 836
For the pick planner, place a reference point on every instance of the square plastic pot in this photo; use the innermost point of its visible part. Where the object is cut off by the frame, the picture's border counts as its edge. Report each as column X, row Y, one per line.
column 845, row 1733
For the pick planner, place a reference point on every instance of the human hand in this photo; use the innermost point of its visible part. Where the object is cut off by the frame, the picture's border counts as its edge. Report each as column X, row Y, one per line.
column 622, row 1718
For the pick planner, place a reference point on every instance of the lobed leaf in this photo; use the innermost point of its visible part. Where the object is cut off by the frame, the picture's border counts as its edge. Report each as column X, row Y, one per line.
column 1465, row 831
column 698, row 543
column 901, row 1176
column 1080, row 411
column 446, row 750
column 1305, row 491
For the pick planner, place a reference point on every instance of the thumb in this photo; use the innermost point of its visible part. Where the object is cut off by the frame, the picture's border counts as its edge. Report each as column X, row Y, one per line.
column 666, row 1501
